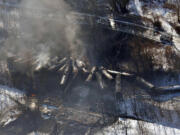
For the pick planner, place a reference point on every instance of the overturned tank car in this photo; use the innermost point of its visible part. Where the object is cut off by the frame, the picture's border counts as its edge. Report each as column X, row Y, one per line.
column 89, row 70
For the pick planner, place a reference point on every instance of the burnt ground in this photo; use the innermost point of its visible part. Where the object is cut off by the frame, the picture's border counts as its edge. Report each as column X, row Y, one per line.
column 77, row 97
column 86, row 108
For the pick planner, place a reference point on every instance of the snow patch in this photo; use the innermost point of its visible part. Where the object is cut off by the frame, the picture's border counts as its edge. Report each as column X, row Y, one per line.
column 9, row 110
column 155, row 11
column 138, row 7
column 135, row 7
column 135, row 127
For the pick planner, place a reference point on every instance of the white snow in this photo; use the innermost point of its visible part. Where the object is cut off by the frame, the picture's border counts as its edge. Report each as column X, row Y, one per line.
column 135, row 7
column 134, row 127
column 167, row 27
column 8, row 108
column 138, row 7
column 154, row 10
column 38, row 133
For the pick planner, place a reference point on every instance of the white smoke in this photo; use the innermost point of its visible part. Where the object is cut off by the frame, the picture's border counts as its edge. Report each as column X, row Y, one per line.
column 43, row 32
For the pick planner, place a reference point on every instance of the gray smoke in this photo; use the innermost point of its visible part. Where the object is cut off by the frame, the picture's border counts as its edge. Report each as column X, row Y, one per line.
column 43, row 29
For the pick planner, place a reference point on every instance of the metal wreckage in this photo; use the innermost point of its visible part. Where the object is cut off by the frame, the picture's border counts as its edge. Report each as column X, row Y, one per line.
column 114, row 79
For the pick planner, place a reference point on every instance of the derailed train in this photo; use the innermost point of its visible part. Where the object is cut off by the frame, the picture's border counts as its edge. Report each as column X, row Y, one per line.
column 119, row 63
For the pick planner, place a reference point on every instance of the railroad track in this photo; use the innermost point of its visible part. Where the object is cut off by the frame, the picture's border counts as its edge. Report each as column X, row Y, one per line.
column 11, row 15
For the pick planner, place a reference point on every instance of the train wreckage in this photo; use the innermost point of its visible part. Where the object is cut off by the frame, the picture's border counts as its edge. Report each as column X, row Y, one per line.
column 86, row 73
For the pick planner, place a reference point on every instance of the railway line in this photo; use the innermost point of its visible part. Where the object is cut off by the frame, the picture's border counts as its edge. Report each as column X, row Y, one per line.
column 11, row 14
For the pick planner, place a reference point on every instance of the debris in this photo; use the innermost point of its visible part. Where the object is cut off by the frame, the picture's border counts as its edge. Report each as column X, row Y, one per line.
column 80, row 63
column 75, row 69
column 18, row 60
column 118, row 83
column 84, row 70
column 52, row 67
column 62, row 68
column 33, row 103
column 120, row 73
column 62, row 60
column 144, row 82
column 65, row 75
column 63, row 79
column 89, row 78
column 174, row 88
column 106, row 74
column 100, row 81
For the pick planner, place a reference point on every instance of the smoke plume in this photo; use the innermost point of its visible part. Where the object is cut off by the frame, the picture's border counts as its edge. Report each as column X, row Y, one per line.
column 44, row 29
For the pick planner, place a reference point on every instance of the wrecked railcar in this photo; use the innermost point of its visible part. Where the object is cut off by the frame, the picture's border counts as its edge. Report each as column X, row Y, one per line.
column 82, row 79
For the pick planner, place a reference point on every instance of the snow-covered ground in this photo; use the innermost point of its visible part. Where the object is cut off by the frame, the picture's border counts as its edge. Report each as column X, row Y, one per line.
column 156, row 11
column 9, row 96
column 9, row 99
column 135, row 127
